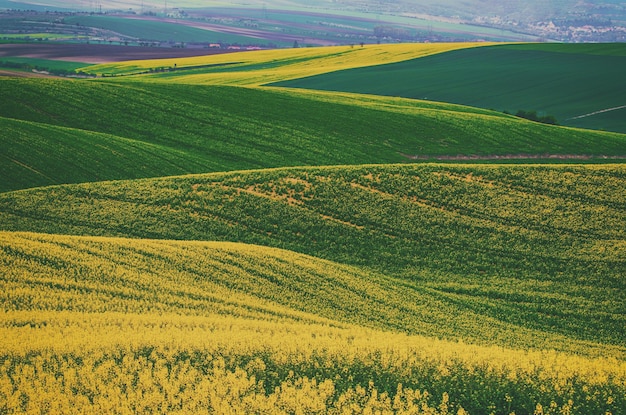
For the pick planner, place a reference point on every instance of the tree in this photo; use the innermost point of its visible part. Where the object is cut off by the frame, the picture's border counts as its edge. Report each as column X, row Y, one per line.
column 532, row 116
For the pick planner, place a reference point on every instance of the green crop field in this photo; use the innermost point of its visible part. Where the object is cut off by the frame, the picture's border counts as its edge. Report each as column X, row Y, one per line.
column 8, row 37
column 194, row 241
column 149, row 130
column 36, row 154
column 567, row 81
column 160, row 31
column 42, row 64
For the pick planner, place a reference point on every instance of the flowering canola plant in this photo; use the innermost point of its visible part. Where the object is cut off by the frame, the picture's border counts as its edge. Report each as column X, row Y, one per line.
column 113, row 325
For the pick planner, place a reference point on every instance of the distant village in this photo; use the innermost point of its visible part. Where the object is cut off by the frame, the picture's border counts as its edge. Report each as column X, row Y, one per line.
column 583, row 29
column 30, row 25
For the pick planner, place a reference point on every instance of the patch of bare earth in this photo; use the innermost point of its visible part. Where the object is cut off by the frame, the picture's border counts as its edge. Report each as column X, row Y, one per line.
column 98, row 53
column 23, row 74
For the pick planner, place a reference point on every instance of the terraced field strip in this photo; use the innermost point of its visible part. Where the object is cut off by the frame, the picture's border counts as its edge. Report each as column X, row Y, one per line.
column 260, row 67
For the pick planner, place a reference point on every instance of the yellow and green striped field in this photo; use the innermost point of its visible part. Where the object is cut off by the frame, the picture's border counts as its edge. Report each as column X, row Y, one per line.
column 260, row 67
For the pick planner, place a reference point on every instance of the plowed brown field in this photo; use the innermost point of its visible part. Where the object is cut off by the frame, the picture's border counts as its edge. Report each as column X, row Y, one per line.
column 97, row 53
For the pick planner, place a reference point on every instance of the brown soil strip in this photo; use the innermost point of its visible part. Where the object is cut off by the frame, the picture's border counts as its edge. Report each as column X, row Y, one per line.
column 23, row 74
column 516, row 157
column 96, row 53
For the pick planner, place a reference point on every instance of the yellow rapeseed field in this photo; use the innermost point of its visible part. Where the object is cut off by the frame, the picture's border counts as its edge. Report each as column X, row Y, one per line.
column 88, row 326
column 255, row 68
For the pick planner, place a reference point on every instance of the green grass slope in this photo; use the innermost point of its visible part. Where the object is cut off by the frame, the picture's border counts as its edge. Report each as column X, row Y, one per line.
column 41, row 64
column 152, row 30
column 567, row 81
column 197, row 129
column 536, row 248
column 35, row 154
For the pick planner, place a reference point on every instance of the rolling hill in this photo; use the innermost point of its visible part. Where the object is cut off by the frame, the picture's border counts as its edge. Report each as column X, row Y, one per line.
column 119, row 325
column 581, row 85
column 459, row 230
column 145, row 129
column 310, row 264
column 39, row 154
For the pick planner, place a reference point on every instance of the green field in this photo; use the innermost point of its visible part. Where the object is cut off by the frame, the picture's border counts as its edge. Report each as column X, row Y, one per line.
column 566, row 81
column 35, row 36
column 36, row 154
column 194, row 241
column 41, row 64
column 149, row 130
column 148, row 30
